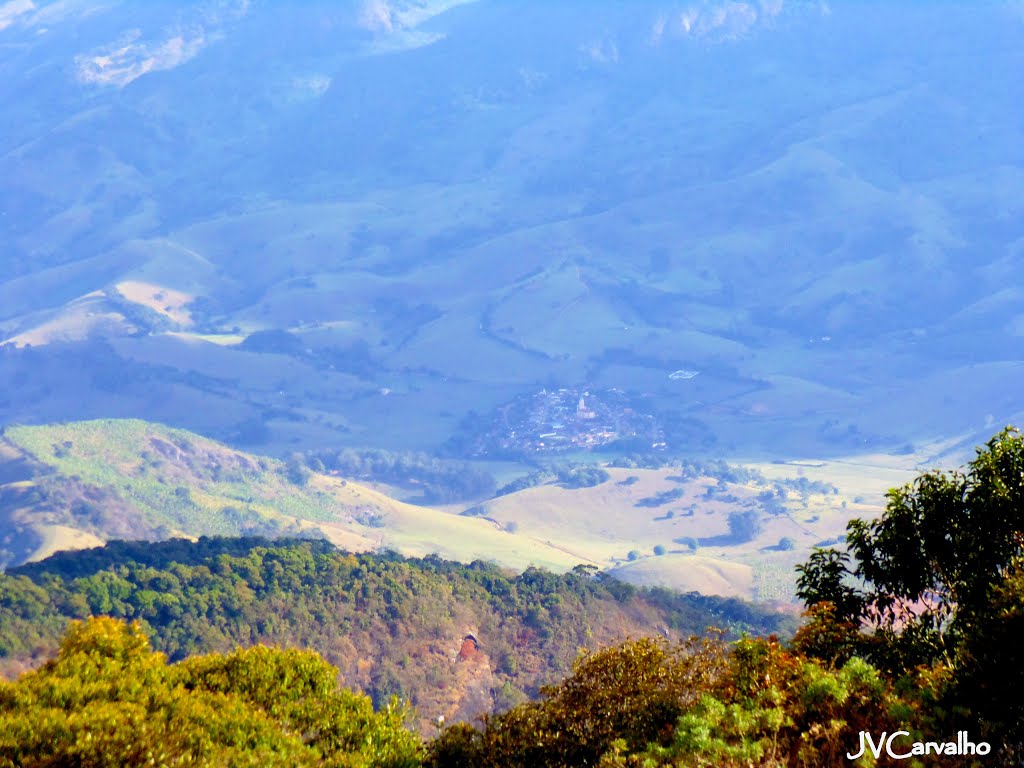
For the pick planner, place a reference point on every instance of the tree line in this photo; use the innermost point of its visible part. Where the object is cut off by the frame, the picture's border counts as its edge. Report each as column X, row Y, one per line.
column 441, row 481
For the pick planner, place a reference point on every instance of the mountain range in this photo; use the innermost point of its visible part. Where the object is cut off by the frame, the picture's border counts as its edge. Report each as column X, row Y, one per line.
column 441, row 206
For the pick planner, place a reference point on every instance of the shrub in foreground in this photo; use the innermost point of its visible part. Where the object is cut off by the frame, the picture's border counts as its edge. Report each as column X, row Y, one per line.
column 108, row 699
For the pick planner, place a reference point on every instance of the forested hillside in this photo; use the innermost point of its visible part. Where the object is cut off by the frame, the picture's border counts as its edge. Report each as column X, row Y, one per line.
column 911, row 651
column 392, row 626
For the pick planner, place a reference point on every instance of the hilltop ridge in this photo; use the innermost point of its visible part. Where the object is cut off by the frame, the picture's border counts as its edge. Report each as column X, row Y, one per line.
column 81, row 483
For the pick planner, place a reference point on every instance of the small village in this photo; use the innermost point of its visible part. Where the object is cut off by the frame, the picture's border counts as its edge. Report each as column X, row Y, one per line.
column 566, row 419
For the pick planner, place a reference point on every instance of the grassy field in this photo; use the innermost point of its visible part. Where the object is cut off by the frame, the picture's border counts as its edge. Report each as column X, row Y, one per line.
column 534, row 301
column 178, row 483
column 613, row 524
column 691, row 573
column 57, row 538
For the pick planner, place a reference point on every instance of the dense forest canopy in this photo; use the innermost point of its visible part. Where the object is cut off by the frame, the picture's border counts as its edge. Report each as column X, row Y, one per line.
column 391, row 625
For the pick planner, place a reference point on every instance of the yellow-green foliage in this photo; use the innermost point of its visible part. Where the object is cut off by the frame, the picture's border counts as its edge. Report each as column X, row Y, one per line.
column 751, row 704
column 108, row 699
column 629, row 694
column 776, row 708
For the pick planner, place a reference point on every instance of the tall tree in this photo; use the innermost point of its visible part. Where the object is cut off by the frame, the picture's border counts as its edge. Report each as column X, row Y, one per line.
column 935, row 579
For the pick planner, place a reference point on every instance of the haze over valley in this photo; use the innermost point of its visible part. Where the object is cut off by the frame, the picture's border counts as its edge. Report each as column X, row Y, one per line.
column 783, row 234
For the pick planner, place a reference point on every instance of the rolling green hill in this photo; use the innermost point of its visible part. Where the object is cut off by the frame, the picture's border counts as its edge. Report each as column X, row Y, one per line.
column 75, row 484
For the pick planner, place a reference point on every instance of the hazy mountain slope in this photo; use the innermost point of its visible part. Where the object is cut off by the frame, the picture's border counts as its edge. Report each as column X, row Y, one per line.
column 450, row 204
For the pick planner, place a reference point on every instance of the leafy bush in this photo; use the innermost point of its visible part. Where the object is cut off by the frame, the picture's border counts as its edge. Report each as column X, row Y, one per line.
column 582, row 477
column 108, row 699
column 531, row 480
column 661, row 498
column 698, row 703
column 688, row 541
column 935, row 581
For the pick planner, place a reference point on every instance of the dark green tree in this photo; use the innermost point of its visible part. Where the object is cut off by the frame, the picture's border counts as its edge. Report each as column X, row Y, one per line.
column 744, row 526
column 936, row 579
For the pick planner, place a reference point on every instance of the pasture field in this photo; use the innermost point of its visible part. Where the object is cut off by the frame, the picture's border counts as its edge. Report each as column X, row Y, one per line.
column 613, row 524
column 126, row 475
